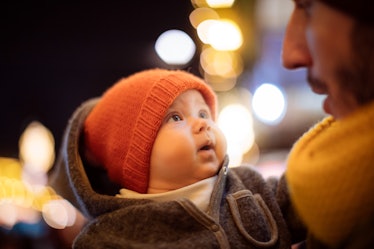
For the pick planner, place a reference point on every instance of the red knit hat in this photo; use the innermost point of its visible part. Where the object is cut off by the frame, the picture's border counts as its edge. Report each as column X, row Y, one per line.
column 122, row 127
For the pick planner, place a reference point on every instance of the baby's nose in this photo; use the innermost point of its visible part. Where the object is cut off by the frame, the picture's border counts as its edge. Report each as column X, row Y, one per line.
column 200, row 124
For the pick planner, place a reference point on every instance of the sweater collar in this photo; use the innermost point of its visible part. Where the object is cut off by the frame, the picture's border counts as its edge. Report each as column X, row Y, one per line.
column 330, row 174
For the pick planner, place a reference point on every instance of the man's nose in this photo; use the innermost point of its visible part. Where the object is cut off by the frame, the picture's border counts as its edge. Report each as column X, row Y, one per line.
column 200, row 124
column 295, row 52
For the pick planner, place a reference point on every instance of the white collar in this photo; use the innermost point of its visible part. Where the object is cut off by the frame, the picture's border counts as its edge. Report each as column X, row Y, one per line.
column 199, row 193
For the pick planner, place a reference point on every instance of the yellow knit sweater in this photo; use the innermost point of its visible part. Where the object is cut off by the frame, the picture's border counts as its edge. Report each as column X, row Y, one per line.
column 331, row 175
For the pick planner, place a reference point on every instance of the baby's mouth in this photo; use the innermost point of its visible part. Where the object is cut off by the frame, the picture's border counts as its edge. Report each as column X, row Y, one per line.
column 206, row 147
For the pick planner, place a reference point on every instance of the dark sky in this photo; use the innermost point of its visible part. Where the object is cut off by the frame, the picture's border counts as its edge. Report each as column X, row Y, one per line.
column 54, row 55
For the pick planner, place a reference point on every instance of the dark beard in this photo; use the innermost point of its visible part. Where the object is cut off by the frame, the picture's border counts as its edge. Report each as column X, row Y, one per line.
column 355, row 80
column 350, row 78
column 358, row 75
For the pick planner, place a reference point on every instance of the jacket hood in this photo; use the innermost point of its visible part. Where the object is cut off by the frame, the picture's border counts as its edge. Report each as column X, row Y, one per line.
column 85, row 186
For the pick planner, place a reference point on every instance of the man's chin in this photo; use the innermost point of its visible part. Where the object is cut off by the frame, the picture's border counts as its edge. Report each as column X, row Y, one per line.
column 327, row 106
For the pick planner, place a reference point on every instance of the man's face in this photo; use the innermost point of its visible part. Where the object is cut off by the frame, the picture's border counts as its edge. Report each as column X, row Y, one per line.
column 189, row 146
column 318, row 38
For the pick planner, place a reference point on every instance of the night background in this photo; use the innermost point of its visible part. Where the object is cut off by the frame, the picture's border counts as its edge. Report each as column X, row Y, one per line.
column 56, row 54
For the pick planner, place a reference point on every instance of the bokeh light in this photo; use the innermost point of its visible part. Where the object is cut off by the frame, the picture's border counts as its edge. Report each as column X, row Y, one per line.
column 59, row 213
column 24, row 195
column 222, row 34
column 36, row 146
column 222, row 63
column 199, row 15
column 220, row 3
column 269, row 103
column 213, row 3
column 236, row 122
column 219, row 83
column 175, row 47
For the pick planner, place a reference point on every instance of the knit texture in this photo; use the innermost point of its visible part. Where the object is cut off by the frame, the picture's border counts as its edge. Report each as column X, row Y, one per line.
column 331, row 177
column 122, row 127
column 358, row 9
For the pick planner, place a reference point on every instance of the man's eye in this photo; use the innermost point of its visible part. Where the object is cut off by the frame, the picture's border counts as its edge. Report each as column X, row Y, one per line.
column 174, row 118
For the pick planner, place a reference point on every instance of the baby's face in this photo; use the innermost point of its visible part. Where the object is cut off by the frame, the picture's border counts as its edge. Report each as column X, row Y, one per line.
column 189, row 146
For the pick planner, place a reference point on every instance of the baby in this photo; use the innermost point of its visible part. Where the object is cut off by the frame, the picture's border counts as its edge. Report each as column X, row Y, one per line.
column 154, row 135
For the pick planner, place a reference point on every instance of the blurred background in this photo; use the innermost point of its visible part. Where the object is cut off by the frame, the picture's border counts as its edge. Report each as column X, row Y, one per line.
column 54, row 55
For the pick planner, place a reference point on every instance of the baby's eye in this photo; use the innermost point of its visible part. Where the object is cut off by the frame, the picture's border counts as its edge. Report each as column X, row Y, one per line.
column 204, row 114
column 174, row 118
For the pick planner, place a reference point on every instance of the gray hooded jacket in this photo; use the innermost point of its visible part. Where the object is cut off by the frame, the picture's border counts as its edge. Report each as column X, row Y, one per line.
column 245, row 211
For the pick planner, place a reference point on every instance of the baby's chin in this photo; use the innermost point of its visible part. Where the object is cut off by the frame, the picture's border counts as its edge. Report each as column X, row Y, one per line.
column 209, row 170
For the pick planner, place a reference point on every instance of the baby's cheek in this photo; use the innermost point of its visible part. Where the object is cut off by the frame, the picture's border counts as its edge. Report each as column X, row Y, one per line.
column 222, row 145
column 175, row 153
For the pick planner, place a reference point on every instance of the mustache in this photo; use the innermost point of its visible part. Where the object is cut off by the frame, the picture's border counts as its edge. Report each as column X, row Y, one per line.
column 317, row 85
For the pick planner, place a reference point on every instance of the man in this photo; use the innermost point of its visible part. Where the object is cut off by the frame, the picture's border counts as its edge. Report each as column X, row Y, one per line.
column 330, row 169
